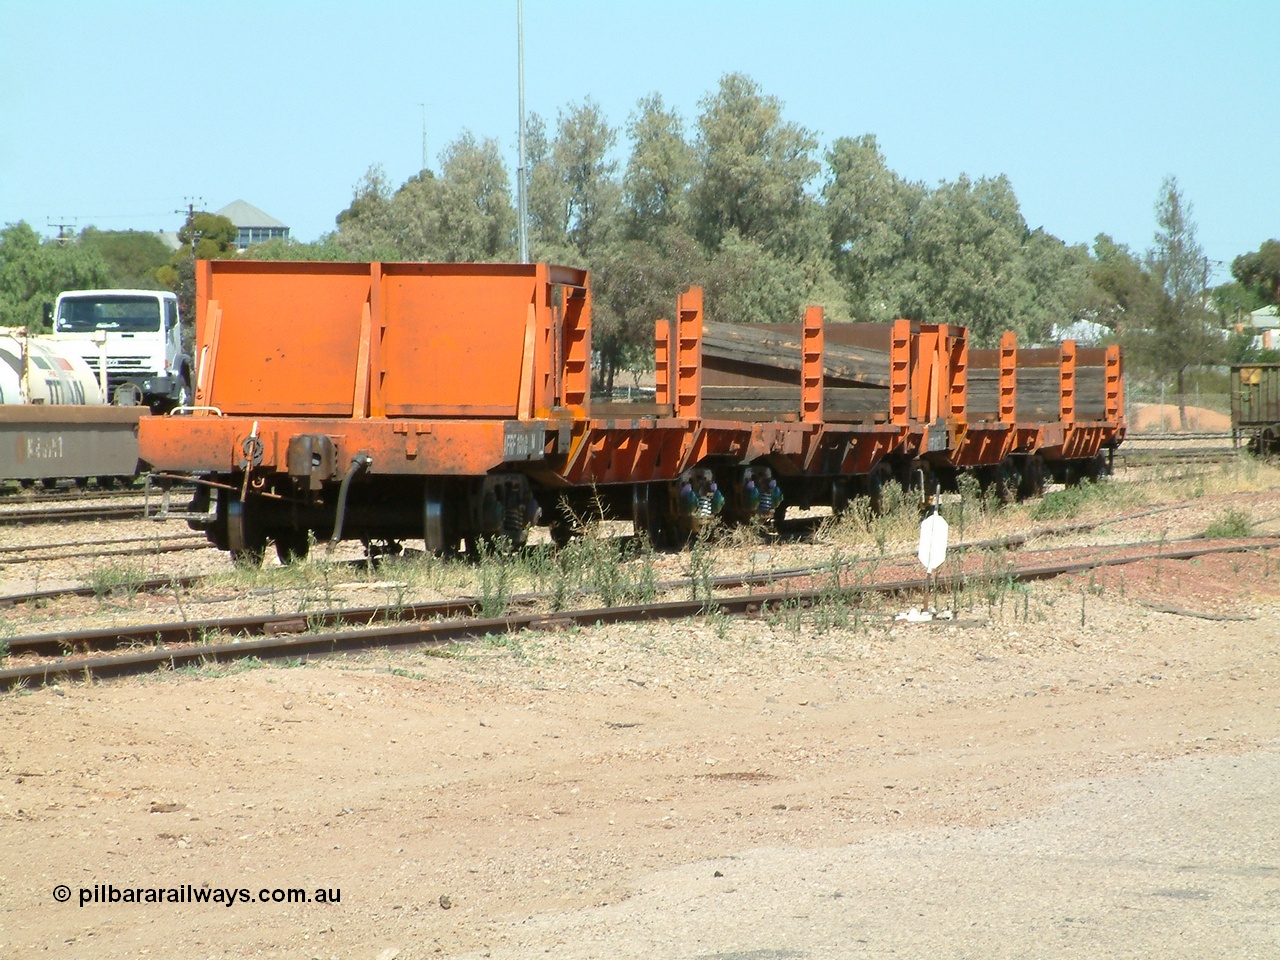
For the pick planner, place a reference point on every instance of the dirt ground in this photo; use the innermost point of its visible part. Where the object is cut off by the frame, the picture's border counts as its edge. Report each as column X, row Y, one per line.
column 1164, row 417
column 1062, row 772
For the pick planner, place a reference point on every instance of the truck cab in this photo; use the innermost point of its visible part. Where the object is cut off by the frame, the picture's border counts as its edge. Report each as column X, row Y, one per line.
column 136, row 335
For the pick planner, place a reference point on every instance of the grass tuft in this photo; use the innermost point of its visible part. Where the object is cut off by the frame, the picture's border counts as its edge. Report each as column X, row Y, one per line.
column 1229, row 524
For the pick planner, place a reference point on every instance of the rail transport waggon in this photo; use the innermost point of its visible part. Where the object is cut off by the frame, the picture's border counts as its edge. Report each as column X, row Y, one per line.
column 53, row 423
column 1255, row 407
column 452, row 403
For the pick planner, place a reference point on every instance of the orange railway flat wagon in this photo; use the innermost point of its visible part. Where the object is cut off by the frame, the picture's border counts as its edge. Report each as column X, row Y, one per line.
column 452, row 402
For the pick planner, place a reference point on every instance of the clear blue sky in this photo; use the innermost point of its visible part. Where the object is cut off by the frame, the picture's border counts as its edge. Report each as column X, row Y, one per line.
column 115, row 113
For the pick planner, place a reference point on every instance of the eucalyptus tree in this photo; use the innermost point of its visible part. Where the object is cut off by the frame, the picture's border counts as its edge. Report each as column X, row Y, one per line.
column 1260, row 270
column 963, row 259
column 659, row 171
column 34, row 270
column 754, row 169
column 1056, row 276
column 1119, row 291
column 869, row 211
column 1182, row 332
column 366, row 228
column 580, row 155
column 132, row 255
column 463, row 215
column 474, row 216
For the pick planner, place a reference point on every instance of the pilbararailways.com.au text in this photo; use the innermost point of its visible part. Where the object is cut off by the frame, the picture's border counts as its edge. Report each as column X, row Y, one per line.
column 108, row 893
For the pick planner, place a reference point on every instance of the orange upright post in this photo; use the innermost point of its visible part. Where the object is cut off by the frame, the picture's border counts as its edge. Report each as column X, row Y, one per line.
column 1067, row 383
column 688, row 379
column 1007, row 400
column 812, row 375
column 1114, row 385
column 900, row 373
column 662, row 362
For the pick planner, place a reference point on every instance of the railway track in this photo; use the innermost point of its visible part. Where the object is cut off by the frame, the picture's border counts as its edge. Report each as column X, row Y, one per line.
column 129, row 510
column 291, row 636
column 15, row 555
column 147, row 546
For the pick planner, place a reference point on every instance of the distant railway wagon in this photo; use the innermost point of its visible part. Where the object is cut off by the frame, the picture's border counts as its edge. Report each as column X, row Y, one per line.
column 53, row 423
column 48, row 443
column 452, row 403
column 1255, row 407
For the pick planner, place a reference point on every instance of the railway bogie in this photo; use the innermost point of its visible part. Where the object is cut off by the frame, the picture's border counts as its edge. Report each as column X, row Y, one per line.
column 451, row 403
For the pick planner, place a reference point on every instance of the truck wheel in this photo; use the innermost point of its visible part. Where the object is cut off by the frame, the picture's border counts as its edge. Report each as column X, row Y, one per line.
column 127, row 395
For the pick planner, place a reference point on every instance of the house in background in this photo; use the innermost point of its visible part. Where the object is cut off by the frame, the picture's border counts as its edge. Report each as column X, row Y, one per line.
column 1264, row 324
column 252, row 225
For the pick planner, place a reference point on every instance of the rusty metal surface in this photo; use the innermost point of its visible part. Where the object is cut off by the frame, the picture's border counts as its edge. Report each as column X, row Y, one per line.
column 1255, row 396
column 48, row 441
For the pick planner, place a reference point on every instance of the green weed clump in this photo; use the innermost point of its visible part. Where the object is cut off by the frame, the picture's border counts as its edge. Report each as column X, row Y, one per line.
column 113, row 578
column 1229, row 524
column 1072, row 501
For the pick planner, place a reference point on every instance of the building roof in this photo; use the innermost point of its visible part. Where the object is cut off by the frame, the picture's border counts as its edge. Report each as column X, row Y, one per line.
column 1268, row 318
column 247, row 215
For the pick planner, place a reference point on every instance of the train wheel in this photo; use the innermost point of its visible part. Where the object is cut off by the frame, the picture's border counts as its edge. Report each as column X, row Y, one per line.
column 839, row 497
column 106, row 483
column 876, row 481
column 246, row 540
column 439, row 534
column 292, row 546
column 651, row 517
column 561, row 531
column 1033, row 478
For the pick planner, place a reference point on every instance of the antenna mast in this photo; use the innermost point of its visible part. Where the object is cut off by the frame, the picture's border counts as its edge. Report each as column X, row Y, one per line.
column 522, row 187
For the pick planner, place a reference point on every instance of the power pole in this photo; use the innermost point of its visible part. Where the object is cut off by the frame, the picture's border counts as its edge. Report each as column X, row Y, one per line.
column 65, row 232
column 191, row 216
column 522, row 179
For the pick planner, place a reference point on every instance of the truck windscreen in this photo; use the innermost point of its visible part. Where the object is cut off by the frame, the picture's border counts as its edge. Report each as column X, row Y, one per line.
column 123, row 314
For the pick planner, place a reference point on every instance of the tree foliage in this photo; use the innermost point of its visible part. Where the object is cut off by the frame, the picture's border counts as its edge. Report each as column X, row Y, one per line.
column 1259, row 271
column 733, row 201
column 659, row 172
column 1170, row 327
column 33, row 271
column 132, row 256
column 753, row 168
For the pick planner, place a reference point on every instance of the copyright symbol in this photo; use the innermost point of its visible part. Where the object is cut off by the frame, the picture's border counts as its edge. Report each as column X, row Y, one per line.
column 62, row 893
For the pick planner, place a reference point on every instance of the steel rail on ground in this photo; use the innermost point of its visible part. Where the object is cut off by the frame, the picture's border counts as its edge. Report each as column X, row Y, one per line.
column 439, row 633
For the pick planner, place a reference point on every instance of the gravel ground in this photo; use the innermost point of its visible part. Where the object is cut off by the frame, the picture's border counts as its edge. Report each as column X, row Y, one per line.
column 1065, row 771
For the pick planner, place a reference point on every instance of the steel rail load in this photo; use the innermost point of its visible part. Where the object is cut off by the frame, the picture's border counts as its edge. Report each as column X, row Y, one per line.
column 452, row 403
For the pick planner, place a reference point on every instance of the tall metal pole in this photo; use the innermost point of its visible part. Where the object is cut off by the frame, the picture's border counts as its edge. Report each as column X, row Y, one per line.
column 522, row 188
column 424, row 136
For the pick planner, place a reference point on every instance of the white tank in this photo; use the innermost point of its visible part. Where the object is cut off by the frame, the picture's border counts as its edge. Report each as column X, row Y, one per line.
column 55, row 375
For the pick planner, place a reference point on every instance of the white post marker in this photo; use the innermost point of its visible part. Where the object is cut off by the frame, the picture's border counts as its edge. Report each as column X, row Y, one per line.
column 933, row 542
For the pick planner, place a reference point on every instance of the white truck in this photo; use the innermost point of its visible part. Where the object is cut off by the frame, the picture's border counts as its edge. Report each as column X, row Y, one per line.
column 132, row 340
